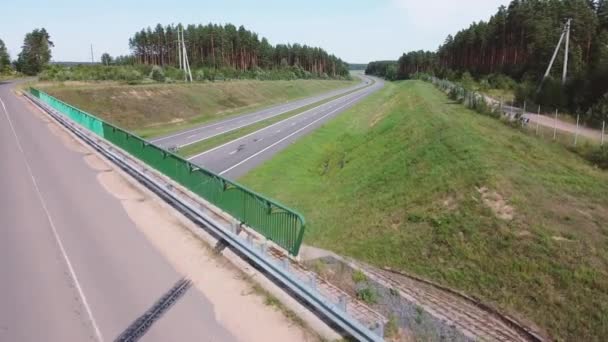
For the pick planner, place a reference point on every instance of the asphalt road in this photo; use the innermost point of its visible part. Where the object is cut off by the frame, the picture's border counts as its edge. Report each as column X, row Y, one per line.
column 194, row 135
column 237, row 157
column 73, row 266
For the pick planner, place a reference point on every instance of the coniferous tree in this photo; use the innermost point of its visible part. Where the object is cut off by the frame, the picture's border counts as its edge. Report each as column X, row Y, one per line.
column 226, row 46
column 35, row 53
column 5, row 60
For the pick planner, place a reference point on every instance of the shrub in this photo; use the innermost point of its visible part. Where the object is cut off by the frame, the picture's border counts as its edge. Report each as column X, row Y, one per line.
column 157, row 74
column 598, row 156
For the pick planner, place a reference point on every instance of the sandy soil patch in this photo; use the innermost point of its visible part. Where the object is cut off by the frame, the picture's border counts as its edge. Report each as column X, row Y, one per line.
column 66, row 139
column 497, row 203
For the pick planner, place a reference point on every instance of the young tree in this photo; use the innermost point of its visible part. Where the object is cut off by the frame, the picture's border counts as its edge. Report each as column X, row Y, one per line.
column 35, row 53
column 5, row 60
column 106, row 59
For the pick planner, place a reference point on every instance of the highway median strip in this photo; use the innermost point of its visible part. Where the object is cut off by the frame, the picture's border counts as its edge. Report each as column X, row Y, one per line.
column 218, row 140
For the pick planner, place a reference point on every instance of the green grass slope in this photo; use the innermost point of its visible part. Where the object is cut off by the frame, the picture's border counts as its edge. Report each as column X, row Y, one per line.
column 409, row 180
column 158, row 109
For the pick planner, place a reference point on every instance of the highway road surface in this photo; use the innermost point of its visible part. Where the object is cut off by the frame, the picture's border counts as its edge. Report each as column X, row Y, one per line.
column 73, row 266
column 206, row 131
column 237, row 157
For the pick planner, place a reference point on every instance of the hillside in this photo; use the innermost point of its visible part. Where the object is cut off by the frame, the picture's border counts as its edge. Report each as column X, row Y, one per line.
column 157, row 109
column 410, row 180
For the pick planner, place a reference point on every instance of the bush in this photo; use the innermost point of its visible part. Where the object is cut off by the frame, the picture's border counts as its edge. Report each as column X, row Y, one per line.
column 157, row 74
column 598, row 156
column 501, row 81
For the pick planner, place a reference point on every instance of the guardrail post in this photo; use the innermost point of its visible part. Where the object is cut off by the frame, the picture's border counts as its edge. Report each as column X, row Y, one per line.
column 312, row 281
column 342, row 302
column 286, row 264
column 263, row 248
column 378, row 329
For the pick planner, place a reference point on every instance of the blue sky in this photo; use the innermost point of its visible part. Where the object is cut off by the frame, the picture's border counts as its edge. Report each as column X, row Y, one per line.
column 355, row 30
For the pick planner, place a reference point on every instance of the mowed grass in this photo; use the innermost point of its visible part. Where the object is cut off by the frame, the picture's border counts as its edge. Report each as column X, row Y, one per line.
column 157, row 109
column 410, row 180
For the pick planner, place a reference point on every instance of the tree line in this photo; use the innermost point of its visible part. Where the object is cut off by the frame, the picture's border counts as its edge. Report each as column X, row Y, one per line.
column 214, row 52
column 220, row 46
column 518, row 41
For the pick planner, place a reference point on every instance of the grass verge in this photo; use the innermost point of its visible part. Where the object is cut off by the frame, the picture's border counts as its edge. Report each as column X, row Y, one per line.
column 410, row 180
column 157, row 109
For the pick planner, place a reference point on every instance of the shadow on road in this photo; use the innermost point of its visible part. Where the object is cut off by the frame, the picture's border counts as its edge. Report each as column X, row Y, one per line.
column 140, row 326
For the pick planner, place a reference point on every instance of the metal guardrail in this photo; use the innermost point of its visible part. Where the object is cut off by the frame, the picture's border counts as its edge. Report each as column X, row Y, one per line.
column 281, row 225
column 335, row 312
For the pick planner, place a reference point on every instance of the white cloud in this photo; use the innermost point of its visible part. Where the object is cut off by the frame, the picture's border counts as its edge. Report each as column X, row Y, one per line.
column 446, row 16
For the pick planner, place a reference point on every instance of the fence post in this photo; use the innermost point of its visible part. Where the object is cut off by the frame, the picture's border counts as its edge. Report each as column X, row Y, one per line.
column 576, row 134
column 538, row 120
column 555, row 126
column 603, row 129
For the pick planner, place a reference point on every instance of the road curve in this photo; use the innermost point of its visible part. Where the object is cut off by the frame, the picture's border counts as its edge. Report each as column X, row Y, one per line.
column 237, row 157
column 209, row 130
column 74, row 266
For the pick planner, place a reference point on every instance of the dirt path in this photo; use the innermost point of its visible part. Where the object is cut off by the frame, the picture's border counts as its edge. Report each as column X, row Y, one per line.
column 550, row 122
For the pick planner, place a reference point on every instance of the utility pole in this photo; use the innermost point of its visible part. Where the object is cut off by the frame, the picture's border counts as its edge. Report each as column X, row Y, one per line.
column 566, row 34
column 179, row 48
column 188, row 72
column 92, row 58
column 565, row 72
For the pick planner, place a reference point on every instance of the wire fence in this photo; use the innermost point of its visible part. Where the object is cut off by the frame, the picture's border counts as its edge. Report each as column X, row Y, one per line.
column 545, row 124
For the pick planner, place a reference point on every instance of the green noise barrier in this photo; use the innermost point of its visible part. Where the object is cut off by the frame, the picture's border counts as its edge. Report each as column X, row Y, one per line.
column 274, row 221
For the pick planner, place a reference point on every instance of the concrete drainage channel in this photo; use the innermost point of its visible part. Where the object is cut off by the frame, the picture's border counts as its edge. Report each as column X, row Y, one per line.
column 418, row 309
column 335, row 306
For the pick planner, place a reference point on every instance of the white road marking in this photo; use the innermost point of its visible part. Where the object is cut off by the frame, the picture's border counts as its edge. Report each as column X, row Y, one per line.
column 83, row 298
column 275, row 124
column 287, row 137
column 279, row 131
column 192, row 136
column 219, row 128
column 233, row 152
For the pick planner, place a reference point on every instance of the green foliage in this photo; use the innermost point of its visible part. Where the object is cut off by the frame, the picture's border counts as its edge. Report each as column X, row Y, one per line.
column 357, row 66
column 384, row 69
column 598, row 156
column 358, row 276
column 36, row 52
column 226, row 47
column 157, row 74
column 134, row 73
column 5, row 60
column 417, row 62
column 92, row 73
column 367, row 295
column 106, row 59
column 501, row 81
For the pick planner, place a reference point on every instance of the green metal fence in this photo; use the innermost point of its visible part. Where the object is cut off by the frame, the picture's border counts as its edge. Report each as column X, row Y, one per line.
column 276, row 222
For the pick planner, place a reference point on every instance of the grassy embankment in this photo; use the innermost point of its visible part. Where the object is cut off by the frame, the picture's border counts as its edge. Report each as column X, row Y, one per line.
column 159, row 109
column 407, row 179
